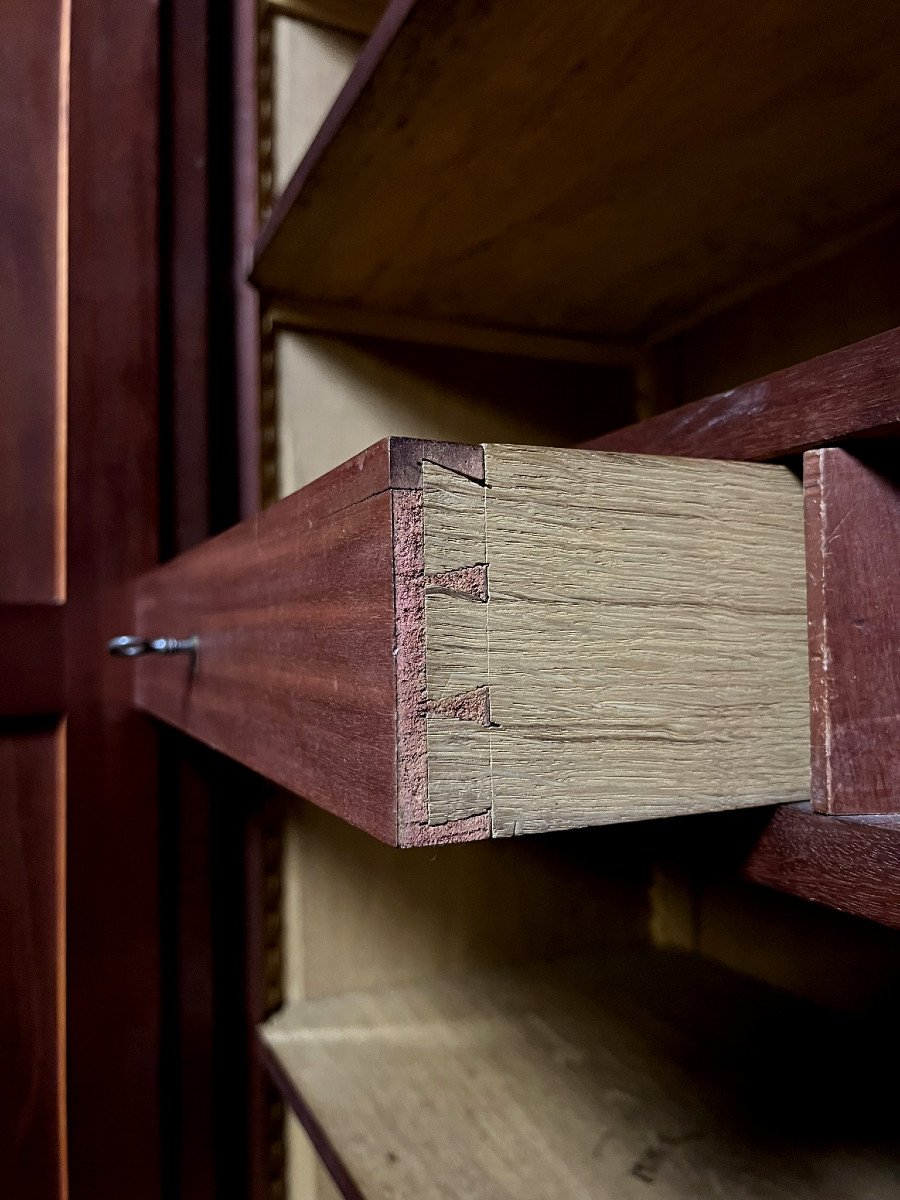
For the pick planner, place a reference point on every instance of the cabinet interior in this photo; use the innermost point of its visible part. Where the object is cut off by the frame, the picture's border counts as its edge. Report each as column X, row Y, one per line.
column 356, row 917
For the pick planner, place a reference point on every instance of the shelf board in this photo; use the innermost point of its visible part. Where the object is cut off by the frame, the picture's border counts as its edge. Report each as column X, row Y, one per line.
column 847, row 394
column 612, row 175
column 606, row 1077
column 849, row 863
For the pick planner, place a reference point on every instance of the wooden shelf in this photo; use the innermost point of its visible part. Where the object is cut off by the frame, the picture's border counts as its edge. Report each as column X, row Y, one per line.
column 849, row 863
column 442, row 642
column 606, row 1077
column 607, row 176
column 847, row 394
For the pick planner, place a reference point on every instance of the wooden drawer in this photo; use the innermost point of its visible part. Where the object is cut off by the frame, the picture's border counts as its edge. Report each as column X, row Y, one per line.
column 442, row 642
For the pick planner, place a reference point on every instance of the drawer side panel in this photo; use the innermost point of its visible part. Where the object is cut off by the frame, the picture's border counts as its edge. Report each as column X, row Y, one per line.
column 295, row 674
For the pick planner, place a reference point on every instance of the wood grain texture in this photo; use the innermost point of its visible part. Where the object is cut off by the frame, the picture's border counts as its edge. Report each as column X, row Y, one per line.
column 643, row 644
column 359, row 915
column 323, row 1154
column 34, row 86
column 849, row 393
column 439, row 654
column 34, row 174
column 295, row 674
column 113, row 985
column 32, row 982
column 603, row 1078
column 433, row 175
column 853, row 577
column 416, row 740
column 850, row 863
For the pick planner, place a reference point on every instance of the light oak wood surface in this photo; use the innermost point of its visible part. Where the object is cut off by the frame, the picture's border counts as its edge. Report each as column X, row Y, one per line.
column 612, row 1079
column 358, row 915
column 310, row 65
column 643, row 644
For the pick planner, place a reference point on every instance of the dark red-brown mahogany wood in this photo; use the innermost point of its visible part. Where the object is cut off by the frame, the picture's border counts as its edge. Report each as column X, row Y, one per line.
column 32, row 655
column 850, row 393
column 113, row 995
column 852, row 508
column 34, row 69
column 32, row 920
column 34, row 66
column 851, row 863
column 296, row 675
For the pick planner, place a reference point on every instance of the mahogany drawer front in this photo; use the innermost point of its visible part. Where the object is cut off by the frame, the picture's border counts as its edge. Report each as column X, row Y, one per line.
column 442, row 642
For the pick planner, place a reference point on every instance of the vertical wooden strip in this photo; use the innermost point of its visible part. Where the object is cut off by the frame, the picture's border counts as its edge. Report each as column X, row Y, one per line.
column 457, row 665
column 34, row 113
column 32, row 983
column 185, row 221
column 61, row 406
column 814, row 523
column 247, row 112
column 34, row 76
column 113, row 979
column 852, row 508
